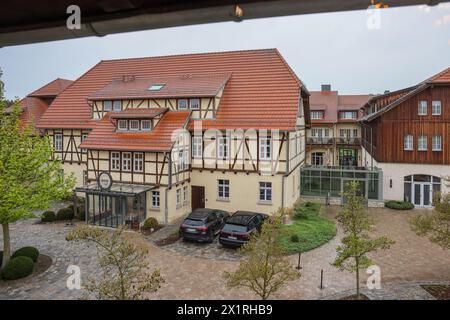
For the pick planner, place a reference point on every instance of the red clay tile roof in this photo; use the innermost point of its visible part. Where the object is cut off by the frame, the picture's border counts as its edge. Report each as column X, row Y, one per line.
column 138, row 113
column 33, row 109
column 386, row 102
column 104, row 136
column 261, row 92
column 179, row 86
column 332, row 102
column 52, row 89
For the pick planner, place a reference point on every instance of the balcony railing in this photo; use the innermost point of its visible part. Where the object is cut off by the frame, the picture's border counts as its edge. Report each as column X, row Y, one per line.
column 315, row 140
column 328, row 141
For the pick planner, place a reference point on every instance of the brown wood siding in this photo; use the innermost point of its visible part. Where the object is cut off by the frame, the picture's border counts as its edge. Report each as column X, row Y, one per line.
column 391, row 127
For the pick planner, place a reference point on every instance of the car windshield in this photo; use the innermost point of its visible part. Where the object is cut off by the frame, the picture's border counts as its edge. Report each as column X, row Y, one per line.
column 191, row 222
column 234, row 228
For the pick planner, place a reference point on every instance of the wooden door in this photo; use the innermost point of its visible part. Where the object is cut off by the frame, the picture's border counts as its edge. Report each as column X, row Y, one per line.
column 198, row 197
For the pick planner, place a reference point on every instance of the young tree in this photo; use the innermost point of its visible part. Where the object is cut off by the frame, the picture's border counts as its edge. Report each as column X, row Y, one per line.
column 28, row 180
column 264, row 269
column 435, row 225
column 352, row 254
column 125, row 274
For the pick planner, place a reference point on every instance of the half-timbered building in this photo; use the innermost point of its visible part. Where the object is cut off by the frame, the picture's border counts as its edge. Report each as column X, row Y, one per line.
column 160, row 136
column 406, row 133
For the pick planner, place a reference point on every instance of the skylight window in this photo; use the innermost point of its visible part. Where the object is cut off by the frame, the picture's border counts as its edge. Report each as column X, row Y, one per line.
column 156, row 87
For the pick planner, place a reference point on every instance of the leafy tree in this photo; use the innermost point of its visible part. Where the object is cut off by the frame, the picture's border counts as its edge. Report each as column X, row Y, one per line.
column 435, row 225
column 264, row 269
column 352, row 254
column 125, row 274
column 28, row 180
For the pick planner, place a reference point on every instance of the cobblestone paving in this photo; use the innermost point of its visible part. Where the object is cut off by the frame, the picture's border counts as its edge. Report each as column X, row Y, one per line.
column 187, row 277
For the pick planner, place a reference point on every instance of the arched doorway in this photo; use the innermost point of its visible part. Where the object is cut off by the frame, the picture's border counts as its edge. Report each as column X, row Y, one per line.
column 419, row 189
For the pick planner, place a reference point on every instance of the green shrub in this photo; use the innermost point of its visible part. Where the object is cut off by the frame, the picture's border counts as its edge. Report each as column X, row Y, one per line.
column 48, row 216
column 81, row 212
column 150, row 223
column 64, row 214
column 306, row 210
column 30, row 252
column 399, row 205
column 295, row 238
column 17, row 268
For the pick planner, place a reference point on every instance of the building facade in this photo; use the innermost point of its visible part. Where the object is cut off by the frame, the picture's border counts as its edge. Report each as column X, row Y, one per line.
column 406, row 134
column 334, row 137
column 161, row 136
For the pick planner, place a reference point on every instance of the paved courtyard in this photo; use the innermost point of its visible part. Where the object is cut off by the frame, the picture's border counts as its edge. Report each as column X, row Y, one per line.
column 189, row 276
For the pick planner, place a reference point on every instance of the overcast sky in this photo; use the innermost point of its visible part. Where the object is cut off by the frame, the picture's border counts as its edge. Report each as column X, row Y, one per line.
column 411, row 44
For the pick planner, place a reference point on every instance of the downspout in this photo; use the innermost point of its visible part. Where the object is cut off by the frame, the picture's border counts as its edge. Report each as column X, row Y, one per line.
column 283, row 177
column 166, row 206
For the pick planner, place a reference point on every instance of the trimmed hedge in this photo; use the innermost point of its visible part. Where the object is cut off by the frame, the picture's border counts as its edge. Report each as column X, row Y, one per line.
column 399, row 205
column 48, row 216
column 64, row 214
column 150, row 223
column 17, row 268
column 30, row 252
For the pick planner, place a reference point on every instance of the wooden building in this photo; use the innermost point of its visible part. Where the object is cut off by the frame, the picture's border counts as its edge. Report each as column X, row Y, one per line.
column 406, row 133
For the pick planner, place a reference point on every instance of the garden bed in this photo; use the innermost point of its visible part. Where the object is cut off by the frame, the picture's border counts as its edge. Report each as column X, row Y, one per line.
column 42, row 264
column 439, row 291
column 355, row 297
column 308, row 229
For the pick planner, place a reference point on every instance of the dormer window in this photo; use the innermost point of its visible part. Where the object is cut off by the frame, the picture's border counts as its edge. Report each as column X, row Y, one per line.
column 122, row 125
column 156, row 87
column 182, row 104
column 194, row 104
column 117, row 105
column 348, row 115
column 134, row 125
column 107, row 106
column 316, row 115
column 146, row 125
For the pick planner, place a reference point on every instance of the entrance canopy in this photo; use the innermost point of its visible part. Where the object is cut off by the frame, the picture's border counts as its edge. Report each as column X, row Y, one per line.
column 117, row 189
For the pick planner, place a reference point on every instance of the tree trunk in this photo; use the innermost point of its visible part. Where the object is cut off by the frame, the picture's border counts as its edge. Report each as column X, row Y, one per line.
column 357, row 279
column 6, row 244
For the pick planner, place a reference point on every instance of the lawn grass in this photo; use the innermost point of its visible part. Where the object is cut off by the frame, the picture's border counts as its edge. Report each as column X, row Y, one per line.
column 312, row 229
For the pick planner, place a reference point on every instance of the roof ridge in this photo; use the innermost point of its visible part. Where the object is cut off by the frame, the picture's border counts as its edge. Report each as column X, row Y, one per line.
column 437, row 75
column 191, row 54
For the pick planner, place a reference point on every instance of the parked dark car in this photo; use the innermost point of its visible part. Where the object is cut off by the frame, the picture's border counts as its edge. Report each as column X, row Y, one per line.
column 203, row 224
column 240, row 226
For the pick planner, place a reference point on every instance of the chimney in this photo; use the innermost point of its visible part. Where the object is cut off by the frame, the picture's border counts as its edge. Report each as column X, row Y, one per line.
column 326, row 87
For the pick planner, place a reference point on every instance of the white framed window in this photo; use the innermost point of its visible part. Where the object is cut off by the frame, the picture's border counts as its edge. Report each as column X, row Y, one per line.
column 436, row 108
column 317, row 158
column 326, row 133
column 115, row 160
column 107, row 105
column 347, row 114
column 126, row 161
column 138, row 162
column 155, row 199
column 194, row 104
column 265, row 191
column 423, row 105
column 316, row 133
column 355, row 133
column 178, row 197
column 122, row 125
column 316, row 115
column 182, row 104
column 185, row 194
column 134, row 125
column 197, row 147
column 422, row 143
column 117, row 105
column 223, row 189
column 265, row 148
column 58, row 142
column 223, row 149
column 437, row 143
column 408, row 144
column 146, row 125
column 181, row 161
